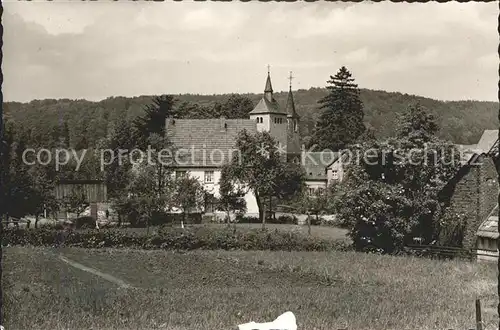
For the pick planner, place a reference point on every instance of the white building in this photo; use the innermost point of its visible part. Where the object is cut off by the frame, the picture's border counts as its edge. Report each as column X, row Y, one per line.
column 322, row 169
column 207, row 144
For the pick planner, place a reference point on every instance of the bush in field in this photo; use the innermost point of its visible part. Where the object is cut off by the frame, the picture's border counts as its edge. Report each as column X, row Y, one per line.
column 171, row 238
column 247, row 219
column 85, row 223
column 285, row 219
column 391, row 196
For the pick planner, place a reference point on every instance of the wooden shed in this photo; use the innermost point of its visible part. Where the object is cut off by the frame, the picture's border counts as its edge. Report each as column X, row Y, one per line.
column 487, row 236
column 95, row 191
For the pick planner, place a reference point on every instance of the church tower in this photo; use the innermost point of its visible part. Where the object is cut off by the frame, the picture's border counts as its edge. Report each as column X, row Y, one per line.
column 269, row 116
column 294, row 142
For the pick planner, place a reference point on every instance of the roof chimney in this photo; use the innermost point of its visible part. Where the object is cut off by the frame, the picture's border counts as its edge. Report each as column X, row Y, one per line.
column 223, row 124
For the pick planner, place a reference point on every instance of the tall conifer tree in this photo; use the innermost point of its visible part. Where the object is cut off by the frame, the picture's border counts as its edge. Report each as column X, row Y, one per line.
column 341, row 122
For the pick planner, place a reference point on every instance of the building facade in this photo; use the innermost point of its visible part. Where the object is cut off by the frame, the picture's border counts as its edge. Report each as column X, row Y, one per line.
column 472, row 195
column 208, row 144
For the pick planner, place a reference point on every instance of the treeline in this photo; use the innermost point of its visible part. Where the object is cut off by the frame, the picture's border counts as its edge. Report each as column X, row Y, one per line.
column 82, row 124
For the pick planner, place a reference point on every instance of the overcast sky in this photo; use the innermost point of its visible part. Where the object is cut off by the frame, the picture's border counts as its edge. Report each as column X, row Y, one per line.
column 94, row 50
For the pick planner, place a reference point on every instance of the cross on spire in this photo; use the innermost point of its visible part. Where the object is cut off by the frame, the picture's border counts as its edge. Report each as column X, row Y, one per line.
column 290, row 78
column 268, row 69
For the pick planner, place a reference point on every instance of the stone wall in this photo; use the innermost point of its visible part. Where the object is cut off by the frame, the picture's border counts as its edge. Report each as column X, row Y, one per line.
column 473, row 194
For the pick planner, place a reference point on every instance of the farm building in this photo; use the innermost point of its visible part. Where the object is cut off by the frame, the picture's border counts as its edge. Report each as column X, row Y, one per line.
column 322, row 169
column 487, row 236
column 94, row 191
column 473, row 195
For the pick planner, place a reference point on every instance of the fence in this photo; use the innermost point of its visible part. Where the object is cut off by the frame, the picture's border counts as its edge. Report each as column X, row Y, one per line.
column 451, row 252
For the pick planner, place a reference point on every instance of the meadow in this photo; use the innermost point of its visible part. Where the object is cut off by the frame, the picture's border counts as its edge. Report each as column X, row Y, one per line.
column 221, row 289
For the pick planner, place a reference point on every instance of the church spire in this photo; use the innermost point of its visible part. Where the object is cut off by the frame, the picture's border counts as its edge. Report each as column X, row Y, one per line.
column 290, row 104
column 268, row 90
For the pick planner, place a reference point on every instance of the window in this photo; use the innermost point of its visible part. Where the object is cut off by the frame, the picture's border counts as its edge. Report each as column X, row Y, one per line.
column 493, row 244
column 180, row 174
column 335, row 174
column 209, row 176
column 311, row 191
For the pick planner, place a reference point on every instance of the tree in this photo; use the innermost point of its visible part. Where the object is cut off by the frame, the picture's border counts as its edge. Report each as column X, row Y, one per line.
column 312, row 204
column 151, row 183
column 232, row 197
column 188, row 195
column 261, row 168
column 42, row 199
column 76, row 202
column 341, row 121
column 391, row 195
column 417, row 125
column 235, row 106
column 194, row 111
column 117, row 173
column 17, row 187
column 153, row 121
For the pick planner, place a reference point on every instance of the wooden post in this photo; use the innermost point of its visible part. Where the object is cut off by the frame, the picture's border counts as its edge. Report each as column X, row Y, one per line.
column 93, row 211
column 308, row 223
column 479, row 322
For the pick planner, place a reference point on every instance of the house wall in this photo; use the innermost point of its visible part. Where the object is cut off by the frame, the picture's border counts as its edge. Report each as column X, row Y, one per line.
column 315, row 184
column 213, row 187
column 276, row 130
column 487, row 249
column 336, row 166
column 473, row 193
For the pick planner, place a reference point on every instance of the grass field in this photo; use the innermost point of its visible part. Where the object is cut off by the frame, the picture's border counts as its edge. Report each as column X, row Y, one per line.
column 220, row 289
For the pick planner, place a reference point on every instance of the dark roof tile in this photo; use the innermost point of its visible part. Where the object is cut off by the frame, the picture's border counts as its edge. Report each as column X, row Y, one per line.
column 206, row 142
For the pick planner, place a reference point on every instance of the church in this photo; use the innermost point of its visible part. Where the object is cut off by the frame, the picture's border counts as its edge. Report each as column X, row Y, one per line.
column 210, row 143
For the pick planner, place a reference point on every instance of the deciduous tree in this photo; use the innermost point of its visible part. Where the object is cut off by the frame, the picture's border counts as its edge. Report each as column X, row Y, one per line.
column 390, row 195
column 261, row 169
column 188, row 196
column 231, row 196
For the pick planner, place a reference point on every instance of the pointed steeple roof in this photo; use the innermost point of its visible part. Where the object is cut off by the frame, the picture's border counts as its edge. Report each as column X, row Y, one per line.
column 269, row 87
column 290, row 105
column 268, row 104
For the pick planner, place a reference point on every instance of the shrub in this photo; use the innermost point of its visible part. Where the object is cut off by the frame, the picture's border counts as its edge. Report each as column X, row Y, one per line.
column 247, row 219
column 160, row 218
column 84, row 223
column 285, row 219
column 172, row 238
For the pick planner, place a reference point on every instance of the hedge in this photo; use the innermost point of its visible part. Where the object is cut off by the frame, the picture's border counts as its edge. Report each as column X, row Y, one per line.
column 169, row 238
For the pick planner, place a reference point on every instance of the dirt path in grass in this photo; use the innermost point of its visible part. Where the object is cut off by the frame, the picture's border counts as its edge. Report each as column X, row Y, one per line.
column 96, row 272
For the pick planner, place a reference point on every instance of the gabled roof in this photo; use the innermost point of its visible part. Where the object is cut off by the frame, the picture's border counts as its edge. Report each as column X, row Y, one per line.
column 268, row 104
column 487, row 141
column 212, row 140
column 316, row 163
column 265, row 106
column 290, row 105
column 489, row 228
column 467, row 151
